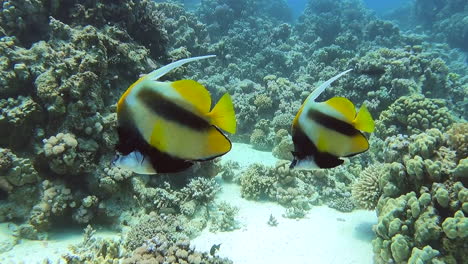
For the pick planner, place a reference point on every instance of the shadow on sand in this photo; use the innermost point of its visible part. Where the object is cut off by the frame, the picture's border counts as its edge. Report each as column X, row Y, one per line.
column 364, row 232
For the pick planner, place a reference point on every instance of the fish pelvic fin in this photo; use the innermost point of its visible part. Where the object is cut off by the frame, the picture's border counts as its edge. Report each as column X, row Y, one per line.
column 223, row 115
column 364, row 120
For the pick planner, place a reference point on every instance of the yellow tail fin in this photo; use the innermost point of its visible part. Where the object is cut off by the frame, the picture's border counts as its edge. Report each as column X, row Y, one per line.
column 223, row 115
column 364, row 121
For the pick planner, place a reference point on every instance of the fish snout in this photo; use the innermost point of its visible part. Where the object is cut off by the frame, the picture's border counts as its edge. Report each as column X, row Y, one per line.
column 113, row 162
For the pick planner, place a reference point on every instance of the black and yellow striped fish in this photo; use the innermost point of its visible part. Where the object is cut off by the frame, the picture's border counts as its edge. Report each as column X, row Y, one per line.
column 325, row 131
column 171, row 124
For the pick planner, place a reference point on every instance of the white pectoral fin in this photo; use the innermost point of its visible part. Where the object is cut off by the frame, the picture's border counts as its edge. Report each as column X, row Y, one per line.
column 156, row 74
column 324, row 86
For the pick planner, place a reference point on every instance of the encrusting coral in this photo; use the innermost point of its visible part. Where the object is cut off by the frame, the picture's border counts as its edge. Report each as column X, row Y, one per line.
column 412, row 222
column 413, row 114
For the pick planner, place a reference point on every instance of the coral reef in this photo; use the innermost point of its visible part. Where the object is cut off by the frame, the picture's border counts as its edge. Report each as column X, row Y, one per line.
column 412, row 115
column 413, row 222
column 159, row 250
column 18, row 117
column 94, row 250
column 299, row 190
column 64, row 64
column 224, row 218
column 366, row 190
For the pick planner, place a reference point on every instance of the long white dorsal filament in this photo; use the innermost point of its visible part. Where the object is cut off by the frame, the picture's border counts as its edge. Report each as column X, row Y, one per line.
column 158, row 73
column 324, row 86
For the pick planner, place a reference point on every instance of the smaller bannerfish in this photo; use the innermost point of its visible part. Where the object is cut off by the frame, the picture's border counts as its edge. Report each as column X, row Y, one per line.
column 323, row 132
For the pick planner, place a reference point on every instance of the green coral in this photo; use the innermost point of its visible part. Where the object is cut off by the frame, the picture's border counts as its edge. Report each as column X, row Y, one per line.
column 457, row 138
column 412, row 115
column 415, row 222
column 456, row 226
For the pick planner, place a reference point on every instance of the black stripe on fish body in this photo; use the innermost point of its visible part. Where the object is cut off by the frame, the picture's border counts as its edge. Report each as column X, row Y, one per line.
column 171, row 111
column 304, row 147
column 165, row 163
column 129, row 136
column 332, row 123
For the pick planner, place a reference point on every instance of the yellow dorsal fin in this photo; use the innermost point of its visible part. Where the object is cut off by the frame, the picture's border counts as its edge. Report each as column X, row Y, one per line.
column 223, row 115
column 195, row 93
column 343, row 106
column 364, row 121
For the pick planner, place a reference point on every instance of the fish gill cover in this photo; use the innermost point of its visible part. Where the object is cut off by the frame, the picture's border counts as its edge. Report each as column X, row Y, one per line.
column 64, row 64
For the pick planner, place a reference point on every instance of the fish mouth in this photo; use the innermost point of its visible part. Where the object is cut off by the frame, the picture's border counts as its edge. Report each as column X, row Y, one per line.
column 114, row 160
column 293, row 164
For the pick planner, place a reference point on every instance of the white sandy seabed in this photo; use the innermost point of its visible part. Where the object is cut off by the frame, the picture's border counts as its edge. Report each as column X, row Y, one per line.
column 324, row 236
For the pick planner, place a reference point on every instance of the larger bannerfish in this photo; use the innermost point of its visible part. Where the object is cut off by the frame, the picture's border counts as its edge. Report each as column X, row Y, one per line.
column 323, row 132
column 170, row 125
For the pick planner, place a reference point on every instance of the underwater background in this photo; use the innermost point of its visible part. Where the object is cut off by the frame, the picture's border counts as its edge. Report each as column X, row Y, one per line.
column 65, row 64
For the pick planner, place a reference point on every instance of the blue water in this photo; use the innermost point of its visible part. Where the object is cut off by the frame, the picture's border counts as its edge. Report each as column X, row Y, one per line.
column 297, row 6
column 379, row 6
column 382, row 6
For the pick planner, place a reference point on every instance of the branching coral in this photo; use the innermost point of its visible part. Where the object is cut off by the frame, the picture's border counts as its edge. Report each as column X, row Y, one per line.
column 201, row 190
column 95, row 250
column 457, row 138
column 174, row 227
column 224, row 218
column 160, row 249
column 366, row 191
